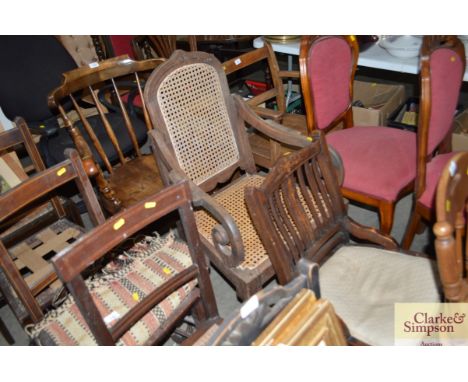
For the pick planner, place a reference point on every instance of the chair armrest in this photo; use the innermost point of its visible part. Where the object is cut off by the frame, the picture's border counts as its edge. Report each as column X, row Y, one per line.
column 226, row 236
column 270, row 128
column 370, row 234
column 268, row 113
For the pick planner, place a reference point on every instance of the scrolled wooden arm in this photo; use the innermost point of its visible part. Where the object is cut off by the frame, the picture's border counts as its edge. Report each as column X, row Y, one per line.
column 226, row 236
column 370, row 234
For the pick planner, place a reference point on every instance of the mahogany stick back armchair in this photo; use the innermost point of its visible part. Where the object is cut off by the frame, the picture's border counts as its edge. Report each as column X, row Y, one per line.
column 102, row 108
column 200, row 135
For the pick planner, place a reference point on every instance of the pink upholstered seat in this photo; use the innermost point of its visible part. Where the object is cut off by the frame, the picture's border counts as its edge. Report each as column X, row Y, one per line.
column 379, row 161
column 434, row 169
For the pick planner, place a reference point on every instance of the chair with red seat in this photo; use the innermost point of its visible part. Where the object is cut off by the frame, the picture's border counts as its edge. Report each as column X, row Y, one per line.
column 380, row 163
column 442, row 68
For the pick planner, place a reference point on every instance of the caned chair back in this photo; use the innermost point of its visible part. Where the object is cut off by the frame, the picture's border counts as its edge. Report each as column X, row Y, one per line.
column 329, row 63
column 298, row 210
column 191, row 107
column 451, row 228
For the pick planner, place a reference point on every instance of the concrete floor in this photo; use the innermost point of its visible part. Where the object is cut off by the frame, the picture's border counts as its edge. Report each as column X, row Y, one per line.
column 225, row 294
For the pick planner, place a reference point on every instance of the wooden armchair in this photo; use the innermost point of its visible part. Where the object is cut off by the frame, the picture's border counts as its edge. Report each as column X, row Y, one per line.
column 200, row 135
column 110, row 128
column 138, row 303
column 450, row 229
column 28, row 281
column 299, row 214
column 267, row 151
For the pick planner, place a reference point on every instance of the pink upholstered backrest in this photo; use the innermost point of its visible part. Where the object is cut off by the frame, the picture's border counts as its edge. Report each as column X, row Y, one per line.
column 330, row 65
column 446, row 79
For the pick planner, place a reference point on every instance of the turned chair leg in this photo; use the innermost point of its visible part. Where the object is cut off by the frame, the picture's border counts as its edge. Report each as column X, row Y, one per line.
column 411, row 229
column 386, row 213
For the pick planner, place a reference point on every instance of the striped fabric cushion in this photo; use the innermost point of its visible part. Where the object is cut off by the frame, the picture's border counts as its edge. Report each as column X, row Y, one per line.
column 147, row 265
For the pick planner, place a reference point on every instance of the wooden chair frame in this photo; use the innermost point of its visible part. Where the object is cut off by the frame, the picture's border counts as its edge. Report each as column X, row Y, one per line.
column 20, row 197
column 228, row 250
column 70, row 263
column 267, row 151
column 450, row 229
column 86, row 78
column 316, row 177
column 421, row 212
column 386, row 209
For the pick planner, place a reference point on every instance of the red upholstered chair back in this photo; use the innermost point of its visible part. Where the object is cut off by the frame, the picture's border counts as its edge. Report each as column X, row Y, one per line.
column 330, row 64
column 446, row 66
column 122, row 45
column 442, row 69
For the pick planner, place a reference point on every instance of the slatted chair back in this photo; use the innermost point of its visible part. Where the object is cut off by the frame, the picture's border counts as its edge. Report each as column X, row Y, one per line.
column 21, row 136
column 189, row 101
column 19, row 198
column 120, row 76
column 298, row 210
column 74, row 260
column 451, row 228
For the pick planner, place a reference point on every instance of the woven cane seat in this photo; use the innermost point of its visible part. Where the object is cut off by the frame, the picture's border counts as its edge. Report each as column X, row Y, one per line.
column 232, row 198
column 364, row 283
column 149, row 263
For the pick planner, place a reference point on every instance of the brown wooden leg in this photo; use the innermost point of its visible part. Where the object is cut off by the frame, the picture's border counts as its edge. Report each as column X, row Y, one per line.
column 386, row 213
column 411, row 229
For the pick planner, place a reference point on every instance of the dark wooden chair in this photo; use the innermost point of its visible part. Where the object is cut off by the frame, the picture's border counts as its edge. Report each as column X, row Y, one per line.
column 299, row 214
column 450, row 228
column 267, row 151
column 28, row 281
column 163, row 278
column 442, row 68
column 379, row 162
column 270, row 315
column 200, row 135
column 110, row 128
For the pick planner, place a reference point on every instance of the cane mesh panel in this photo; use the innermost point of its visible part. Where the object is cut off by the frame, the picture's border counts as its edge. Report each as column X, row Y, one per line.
column 196, row 117
column 232, row 198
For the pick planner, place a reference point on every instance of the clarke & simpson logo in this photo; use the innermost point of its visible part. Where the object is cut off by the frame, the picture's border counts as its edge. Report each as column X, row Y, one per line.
column 431, row 324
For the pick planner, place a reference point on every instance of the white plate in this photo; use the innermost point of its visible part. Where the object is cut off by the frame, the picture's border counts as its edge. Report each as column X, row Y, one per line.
column 401, row 46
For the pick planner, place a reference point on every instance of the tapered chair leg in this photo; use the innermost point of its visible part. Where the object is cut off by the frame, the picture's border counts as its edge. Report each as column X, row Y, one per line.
column 411, row 229
column 386, row 213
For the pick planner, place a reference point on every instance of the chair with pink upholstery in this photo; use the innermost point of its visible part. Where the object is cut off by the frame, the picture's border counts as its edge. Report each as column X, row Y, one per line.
column 380, row 163
column 442, row 68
